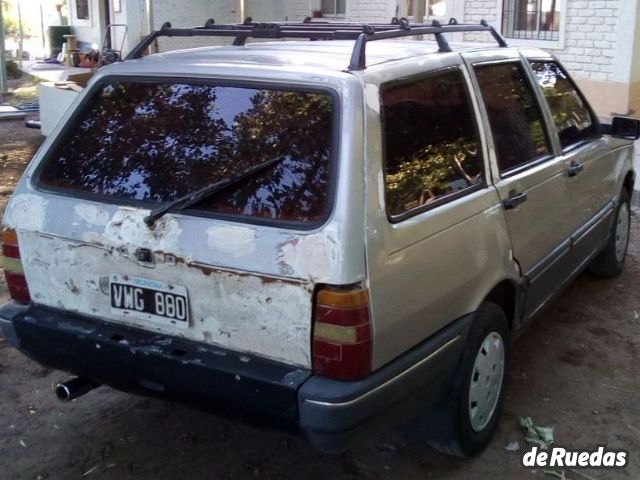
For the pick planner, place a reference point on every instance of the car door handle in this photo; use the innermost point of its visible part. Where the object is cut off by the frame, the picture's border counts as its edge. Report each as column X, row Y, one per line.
column 515, row 199
column 574, row 169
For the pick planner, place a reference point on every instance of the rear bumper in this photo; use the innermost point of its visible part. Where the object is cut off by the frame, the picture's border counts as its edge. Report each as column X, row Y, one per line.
column 332, row 414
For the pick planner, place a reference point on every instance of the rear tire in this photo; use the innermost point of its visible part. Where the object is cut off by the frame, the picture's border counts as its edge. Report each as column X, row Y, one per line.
column 610, row 260
column 465, row 422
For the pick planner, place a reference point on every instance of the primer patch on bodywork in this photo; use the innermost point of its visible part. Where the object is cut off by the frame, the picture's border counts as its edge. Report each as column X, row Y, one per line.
column 26, row 211
column 239, row 311
column 308, row 256
column 127, row 226
column 92, row 214
column 235, row 241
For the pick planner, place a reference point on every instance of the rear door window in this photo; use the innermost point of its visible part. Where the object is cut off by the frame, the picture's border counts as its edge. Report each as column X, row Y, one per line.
column 514, row 115
column 572, row 117
column 432, row 148
column 154, row 142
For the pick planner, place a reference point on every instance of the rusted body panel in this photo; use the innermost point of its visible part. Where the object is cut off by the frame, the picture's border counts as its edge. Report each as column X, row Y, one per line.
column 250, row 287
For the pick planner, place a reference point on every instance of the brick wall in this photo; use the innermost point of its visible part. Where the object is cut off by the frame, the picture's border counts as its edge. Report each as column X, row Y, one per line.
column 261, row 11
column 476, row 10
column 379, row 11
column 298, row 9
column 590, row 34
column 590, row 28
column 357, row 10
column 590, row 38
column 223, row 11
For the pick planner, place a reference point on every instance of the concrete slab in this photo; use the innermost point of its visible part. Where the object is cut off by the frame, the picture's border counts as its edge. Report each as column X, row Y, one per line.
column 7, row 112
column 53, row 72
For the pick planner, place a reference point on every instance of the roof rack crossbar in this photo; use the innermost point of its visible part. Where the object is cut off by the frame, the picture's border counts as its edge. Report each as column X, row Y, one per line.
column 361, row 33
column 443, row 45
column 358, row 57
column 499, row 38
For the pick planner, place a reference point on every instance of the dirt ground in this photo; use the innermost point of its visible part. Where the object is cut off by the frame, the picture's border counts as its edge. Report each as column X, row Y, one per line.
column 576, row 368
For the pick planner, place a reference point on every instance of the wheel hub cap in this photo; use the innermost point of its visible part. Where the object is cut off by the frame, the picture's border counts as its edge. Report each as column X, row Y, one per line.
column 486, row 381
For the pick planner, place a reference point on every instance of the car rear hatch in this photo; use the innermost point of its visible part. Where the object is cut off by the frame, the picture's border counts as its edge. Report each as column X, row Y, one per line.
column 236, row 268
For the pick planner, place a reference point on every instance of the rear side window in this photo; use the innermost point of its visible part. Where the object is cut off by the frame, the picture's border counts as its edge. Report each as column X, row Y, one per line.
column 432, row 148
column 155, row 142
column 571, row 115
column 515, row 118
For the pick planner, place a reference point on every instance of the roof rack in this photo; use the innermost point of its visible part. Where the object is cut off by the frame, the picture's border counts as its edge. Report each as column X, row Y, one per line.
column 312, row 30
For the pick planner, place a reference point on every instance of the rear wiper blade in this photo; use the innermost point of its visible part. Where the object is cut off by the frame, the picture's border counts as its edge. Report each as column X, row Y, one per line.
column 194, row 197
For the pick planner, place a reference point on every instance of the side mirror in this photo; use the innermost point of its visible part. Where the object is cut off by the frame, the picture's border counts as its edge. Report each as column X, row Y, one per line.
column 624, row 127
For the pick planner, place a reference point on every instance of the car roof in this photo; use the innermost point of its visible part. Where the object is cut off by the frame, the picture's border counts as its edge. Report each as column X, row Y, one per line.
column 332, row 55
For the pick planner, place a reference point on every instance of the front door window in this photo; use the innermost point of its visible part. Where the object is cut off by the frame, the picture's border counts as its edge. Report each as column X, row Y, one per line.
column 514, row 115
column 571, row 115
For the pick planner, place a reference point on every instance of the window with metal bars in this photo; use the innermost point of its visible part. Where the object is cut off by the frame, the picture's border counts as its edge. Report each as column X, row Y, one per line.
column 82, row 9
column 531, row 19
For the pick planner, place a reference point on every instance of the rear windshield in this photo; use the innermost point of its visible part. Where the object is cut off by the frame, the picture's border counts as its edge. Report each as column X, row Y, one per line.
column 155, row 142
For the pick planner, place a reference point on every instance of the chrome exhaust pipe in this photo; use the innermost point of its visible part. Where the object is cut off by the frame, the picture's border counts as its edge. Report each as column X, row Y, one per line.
column 74, row 388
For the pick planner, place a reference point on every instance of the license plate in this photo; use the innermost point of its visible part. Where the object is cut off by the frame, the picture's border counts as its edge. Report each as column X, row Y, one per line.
column 151, row 300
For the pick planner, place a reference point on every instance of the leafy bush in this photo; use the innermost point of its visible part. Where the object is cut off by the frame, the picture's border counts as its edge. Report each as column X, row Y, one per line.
column 13, row 71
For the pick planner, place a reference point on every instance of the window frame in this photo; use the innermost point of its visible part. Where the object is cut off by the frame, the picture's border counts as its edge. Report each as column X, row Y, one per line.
column 558, row 43
column 594, row 118
column 412, row 212
column 551, row 135
column 79, row 21
column 86, row 103
column 316, row 5
column 410, row 15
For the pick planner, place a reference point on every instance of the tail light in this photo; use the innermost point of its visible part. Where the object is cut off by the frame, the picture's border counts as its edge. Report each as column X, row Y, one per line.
column 342, row 334
column 13, row 268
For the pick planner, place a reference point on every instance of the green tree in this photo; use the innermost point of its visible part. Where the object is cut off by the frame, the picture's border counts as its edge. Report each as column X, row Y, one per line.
column 10, row 17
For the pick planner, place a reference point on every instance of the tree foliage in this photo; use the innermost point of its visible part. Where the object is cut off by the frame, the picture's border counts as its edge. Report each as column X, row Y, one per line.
column 570, row 114
column 431, row 143
column 10, row 18
column 157, row 142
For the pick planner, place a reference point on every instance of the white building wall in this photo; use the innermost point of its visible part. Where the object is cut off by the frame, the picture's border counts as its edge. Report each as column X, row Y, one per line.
column 92, row 32
column 594, row 37
column 190, row 14
column 599, row 39
column 374, row 11
column 590, row 44
column 121, row 38
column 194, row 12
column 297, row 10
column 89, row 32
column 589, row 35
column 266, row 11
column 476, row 10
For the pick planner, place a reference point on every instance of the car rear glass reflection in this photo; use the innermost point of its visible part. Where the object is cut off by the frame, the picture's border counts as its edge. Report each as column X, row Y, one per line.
column 155, row 142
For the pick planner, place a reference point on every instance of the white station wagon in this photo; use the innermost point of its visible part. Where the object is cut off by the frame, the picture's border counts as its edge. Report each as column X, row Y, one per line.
column 339, row 234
